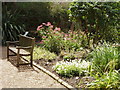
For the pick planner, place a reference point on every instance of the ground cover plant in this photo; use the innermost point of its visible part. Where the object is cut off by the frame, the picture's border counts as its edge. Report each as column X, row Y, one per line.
column 72, row 68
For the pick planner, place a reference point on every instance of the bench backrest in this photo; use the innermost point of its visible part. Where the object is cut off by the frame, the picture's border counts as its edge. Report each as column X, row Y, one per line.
column 26, row 41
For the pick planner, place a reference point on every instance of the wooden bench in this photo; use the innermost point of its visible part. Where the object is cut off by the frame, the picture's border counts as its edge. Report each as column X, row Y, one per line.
column 23, row 47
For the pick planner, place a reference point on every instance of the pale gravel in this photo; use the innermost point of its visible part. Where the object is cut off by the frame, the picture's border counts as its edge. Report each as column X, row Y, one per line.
column 24, row 76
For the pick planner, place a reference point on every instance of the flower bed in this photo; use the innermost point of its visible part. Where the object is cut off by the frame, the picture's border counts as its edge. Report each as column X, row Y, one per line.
column 76, row 65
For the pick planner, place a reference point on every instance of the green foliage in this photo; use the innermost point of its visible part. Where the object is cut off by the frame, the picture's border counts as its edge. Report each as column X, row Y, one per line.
column 103, row 26
column 59, row 15
column 69, row 57
column 72, row 68
column 109, row 80
column 34, row 13
column 104, row 59
column 41, row 53
column 10, row 28
column 53, row 44
column 55, row 40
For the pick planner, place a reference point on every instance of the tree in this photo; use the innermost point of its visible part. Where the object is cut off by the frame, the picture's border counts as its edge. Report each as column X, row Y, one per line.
column 99, row 20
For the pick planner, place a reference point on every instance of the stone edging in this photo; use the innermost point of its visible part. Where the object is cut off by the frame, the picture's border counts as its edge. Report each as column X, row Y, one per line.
column 52, row 75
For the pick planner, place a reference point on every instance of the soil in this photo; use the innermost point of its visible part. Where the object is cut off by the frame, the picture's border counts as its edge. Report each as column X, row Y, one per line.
column 77, row 82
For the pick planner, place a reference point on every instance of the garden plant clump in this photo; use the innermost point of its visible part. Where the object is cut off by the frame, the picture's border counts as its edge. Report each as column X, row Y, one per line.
column 41, row 53
column 105, row 67
column 107, row 80
column 72, row 68
column 55, row 40
column 104, row 58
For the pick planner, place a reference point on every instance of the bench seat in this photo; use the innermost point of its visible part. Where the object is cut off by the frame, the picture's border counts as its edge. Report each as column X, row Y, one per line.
column 22, row 51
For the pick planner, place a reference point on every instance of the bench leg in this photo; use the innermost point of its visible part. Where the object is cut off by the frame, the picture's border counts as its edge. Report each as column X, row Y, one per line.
column 18, row 58
column 31, row 61
column 7, row 53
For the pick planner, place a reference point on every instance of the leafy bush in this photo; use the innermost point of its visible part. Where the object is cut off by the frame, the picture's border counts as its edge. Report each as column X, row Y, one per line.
column 72, row 68
column 103, row 26
column 10, row 28
column 104, row 58
column 109, row 80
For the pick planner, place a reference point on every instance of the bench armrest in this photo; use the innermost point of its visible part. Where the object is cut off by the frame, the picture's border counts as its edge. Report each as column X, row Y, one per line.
column 20, row 47
column 12, row 42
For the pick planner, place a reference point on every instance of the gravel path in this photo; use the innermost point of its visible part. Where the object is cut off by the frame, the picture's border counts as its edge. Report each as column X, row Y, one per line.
column 24, row 77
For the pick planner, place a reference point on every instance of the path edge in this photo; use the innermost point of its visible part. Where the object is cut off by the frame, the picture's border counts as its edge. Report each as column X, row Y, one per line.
column 62, row 82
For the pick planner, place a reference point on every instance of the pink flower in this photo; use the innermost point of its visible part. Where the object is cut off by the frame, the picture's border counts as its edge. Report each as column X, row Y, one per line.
column 66, row 35
column 54, row 31
column 68, row 38
column 39, row 27
column 43, row 36
column 57, row 29
column 51, row 26
column 41, row 42
column 48, row 24
column 44, row 23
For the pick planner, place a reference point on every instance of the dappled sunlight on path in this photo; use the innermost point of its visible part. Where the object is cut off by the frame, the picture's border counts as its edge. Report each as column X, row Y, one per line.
column 24, row 77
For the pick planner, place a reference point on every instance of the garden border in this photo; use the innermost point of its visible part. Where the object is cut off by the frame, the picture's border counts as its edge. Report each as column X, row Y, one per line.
column 50, row 74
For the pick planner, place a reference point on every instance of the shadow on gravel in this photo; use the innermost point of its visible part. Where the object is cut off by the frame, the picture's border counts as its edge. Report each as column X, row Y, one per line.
column 21, row 68
column 13, row 61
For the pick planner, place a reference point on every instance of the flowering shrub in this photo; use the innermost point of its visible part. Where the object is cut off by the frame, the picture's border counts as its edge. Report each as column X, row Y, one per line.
column 55, row 40
column 72, row 68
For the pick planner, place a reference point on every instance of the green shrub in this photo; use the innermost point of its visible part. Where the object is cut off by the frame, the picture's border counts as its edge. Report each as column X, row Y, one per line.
column 72, row 68
column 109, row 80
column 104, row 58
column 10, row 27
